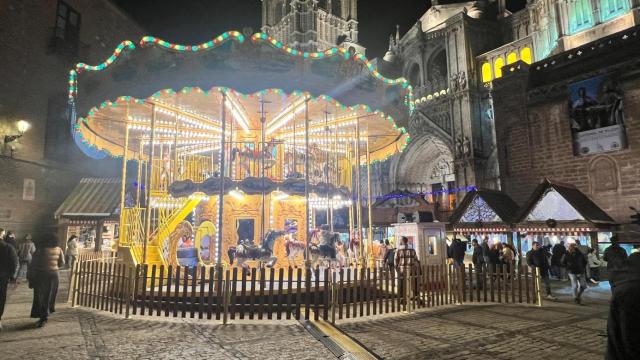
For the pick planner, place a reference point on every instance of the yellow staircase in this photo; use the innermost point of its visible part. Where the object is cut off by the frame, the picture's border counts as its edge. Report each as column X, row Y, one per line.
column 132, row 231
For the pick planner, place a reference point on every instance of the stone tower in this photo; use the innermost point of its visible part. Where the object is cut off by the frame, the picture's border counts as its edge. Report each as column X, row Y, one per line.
column 312, row 25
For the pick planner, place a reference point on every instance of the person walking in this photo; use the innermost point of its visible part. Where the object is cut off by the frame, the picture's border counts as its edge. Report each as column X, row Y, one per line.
column 8, row 265
column 576, row 266
column 389, row 256
column 537, row 258
column 623, row 324
column 456, row 252
column 25, row 255
column 478, row 262
column 72, row 251
column 557, row 254
column 615, row 257
column 11, row 240
column 407, row 265
column 508, row 257
column 47, row 261
column 594, row 266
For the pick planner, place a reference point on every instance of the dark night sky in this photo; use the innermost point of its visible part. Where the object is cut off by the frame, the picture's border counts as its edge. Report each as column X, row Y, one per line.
column 195, row 21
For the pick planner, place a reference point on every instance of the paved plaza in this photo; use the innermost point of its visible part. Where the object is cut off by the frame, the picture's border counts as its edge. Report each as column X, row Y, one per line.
column 559, row 330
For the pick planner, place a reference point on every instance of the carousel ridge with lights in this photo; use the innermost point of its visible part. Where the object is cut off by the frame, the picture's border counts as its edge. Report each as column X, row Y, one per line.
column 234, row 148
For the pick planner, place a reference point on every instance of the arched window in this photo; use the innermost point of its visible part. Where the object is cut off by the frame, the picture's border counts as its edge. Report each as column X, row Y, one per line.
column 497, row 68
column 486, row 72
column 525, row 55
column 511, row 58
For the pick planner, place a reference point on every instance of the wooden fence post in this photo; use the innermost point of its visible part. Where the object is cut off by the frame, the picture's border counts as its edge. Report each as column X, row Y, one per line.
column 538, row 288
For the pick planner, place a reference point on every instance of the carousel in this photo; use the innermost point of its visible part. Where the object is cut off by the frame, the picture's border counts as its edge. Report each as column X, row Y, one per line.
column 239, row 149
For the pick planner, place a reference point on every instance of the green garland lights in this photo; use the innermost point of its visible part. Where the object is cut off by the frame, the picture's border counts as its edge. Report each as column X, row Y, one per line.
column 237, row 36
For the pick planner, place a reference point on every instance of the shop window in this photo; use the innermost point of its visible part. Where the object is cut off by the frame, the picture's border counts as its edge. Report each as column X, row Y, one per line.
column 511, row 58
column 66, row 31
column 497, row 67
column 610, row 9
column 486, row 72
column 525, row 55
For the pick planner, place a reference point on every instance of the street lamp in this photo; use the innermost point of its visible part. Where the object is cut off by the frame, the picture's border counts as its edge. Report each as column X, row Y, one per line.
column 23, row 126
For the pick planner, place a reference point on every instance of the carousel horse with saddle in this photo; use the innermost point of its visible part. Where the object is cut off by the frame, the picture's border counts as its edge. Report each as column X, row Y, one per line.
column 246, row 251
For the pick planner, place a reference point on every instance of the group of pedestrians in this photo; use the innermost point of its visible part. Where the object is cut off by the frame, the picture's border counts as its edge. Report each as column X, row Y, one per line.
column 39, row 263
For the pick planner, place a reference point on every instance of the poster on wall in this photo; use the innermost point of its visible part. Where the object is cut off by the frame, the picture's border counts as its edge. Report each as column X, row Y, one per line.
column 597, row 116
column 29, row 190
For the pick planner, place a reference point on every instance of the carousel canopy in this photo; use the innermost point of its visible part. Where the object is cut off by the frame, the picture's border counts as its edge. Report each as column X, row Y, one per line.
column 92, row 197
column 486, row 207
column 554, row 201
column 257, row 84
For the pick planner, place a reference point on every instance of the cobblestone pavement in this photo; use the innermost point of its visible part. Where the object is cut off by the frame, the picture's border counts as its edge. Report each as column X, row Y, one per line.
column 74, row 333
column 558, row 330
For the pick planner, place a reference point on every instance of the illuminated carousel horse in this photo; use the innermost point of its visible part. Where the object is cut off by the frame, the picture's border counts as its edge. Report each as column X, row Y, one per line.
column 353, row 251
column 249, row 155
column 324, row 253
column 263, row 254
column 293, row 248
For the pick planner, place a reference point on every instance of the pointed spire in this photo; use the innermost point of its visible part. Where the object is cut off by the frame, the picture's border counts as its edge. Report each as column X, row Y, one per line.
column 391, row 42
column 397, row 33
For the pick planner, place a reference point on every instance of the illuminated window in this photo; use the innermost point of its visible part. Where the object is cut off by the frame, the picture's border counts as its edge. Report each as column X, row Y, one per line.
column 486, row 72
column 525, row 55
column 497, row 67
column 580, row 15
column 511, row 58
column 610, row 9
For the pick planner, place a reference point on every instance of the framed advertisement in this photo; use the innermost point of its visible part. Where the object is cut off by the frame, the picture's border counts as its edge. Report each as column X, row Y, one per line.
column 597, row 116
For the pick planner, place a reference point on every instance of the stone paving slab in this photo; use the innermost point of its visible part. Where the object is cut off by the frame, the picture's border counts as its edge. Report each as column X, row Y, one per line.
column 559, row 330
column 75, row 333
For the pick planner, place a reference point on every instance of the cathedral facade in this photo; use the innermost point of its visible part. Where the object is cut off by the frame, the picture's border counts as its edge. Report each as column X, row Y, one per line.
column 453, row 55
column 312, row 25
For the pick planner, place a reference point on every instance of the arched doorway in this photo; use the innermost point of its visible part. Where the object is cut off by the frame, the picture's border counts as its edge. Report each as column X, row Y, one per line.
column 426, row 165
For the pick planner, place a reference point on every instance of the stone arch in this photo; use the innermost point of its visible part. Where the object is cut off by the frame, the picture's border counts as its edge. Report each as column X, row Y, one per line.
column 603, row 174
column 423, row 159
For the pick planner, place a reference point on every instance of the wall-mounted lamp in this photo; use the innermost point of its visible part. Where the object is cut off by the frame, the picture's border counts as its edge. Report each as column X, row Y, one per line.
column 23, row 127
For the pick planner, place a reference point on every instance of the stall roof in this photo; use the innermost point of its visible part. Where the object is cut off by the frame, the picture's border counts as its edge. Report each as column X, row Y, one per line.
column 486, row 206
column 562, row 202
column 92, row 197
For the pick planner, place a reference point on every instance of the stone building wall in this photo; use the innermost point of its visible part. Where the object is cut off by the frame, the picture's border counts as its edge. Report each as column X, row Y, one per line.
column 533, row 128
column 34, row 88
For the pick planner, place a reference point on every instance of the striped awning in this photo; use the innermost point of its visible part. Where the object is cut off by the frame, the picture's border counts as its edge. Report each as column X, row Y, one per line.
column 92, row 197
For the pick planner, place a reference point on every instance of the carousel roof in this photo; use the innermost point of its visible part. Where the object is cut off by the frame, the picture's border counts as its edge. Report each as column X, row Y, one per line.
column 188, row 82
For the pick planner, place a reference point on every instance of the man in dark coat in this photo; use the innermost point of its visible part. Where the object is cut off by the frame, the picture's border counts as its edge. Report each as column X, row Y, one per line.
column 615, row 257
column 623, row 325
column 557, row 253
column 537, row 258
column 8, row 266
column 456, row 252
column 478, row 262
column 576, row 266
